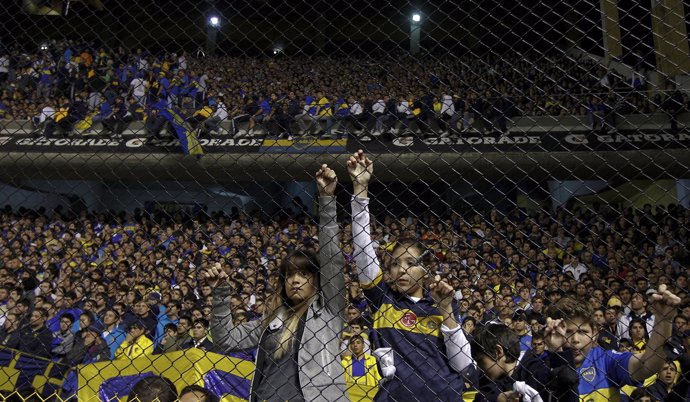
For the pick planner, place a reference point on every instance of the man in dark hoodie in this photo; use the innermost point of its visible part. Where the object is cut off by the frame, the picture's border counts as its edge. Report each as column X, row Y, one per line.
column 36, row 338
column 9, row 333
column 144, row 315
column 90, row 347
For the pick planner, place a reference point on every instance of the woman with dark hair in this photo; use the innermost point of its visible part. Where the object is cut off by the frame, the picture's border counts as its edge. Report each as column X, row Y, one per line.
column 298, row 355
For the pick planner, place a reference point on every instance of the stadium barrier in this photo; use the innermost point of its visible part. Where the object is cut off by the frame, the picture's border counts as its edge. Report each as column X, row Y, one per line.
column 524, row 124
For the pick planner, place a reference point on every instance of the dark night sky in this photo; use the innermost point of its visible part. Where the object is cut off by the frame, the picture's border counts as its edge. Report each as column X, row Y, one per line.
column 493, row 25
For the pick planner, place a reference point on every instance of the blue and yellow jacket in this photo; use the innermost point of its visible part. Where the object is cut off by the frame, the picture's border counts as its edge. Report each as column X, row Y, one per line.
column 361, row 377
column 413, row 331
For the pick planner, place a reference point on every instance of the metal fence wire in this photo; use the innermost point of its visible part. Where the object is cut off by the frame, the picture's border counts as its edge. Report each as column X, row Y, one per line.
column 344, row 200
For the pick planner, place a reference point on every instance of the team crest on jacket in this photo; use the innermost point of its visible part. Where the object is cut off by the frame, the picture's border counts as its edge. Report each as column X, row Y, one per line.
column 588, row 373
column 409, row 319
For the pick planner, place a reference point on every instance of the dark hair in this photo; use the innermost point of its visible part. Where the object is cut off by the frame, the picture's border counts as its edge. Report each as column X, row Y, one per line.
column 204, row 322
column 24, row 302
column 642, row 323
column 305, row 261
column 639, row 393
column 353, row 337
column 43, row 312
column 520, row 315
column 208, row 395
column 486, row 338
column 358, row 321
column 570, row 308
column 624, row 287
column 426, row 256
column 135, row 324
column 153, row 388
column 117, row 315
column 299, row 260
column 68, row 316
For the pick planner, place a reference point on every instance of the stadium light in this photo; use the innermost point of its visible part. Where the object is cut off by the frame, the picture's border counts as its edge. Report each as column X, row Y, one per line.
column 212, row 33
column 415, row 33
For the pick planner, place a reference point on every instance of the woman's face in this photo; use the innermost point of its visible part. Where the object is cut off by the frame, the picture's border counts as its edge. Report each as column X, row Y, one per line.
column 300, row 285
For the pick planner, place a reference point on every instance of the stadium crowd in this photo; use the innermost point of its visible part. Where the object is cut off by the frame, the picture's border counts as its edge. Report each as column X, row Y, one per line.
column 69, row 86
column 95, row 286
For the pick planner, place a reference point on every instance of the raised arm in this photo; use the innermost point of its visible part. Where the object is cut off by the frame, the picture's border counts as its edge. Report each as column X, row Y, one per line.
column 227, row 336
column 664, row 304
column 331, row 257
column 457, row 346
column 368, row 267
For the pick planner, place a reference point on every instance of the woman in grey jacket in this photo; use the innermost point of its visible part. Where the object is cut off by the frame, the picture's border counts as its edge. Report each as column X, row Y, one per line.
column 297, row 338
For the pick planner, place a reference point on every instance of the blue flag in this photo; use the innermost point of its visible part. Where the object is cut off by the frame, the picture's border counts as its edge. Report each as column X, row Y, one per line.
column 188, row 141
column 21, row 371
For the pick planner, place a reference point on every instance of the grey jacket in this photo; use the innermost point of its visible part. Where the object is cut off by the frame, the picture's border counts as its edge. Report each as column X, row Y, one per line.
column 320, row 370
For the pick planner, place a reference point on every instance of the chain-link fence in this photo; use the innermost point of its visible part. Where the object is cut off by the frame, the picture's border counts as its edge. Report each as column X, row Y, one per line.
column 344, row 200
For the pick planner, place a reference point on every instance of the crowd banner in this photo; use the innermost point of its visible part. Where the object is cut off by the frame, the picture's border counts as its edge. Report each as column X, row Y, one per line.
column 226, row 376
column 26, row 373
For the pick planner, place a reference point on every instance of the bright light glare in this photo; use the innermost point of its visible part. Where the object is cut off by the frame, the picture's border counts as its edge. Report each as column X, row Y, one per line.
column 416, row 17
column 214, row 21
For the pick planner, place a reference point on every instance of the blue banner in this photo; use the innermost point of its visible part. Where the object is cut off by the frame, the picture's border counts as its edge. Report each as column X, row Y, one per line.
column 228, row 377
column 24, row 372
column 188, row 140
